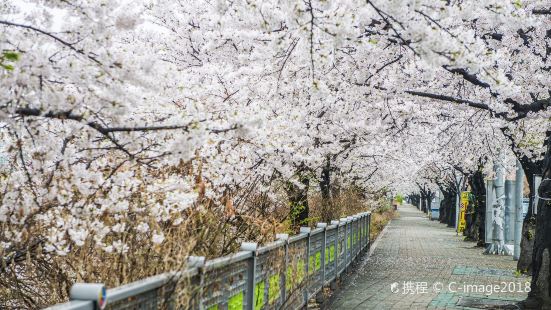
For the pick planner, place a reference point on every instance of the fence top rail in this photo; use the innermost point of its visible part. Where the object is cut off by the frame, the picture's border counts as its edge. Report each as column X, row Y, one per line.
column 316, row 231
column 343, row 221
column 148, row 284
column 74, row 305
column 298, row 237
column 270, row 246
column 226, row 260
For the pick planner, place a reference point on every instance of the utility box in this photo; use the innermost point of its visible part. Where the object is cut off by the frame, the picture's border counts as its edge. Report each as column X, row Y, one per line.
column 435, row 206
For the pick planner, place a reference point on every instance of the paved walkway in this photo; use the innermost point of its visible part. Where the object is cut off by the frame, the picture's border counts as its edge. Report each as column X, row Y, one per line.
column 422, row 264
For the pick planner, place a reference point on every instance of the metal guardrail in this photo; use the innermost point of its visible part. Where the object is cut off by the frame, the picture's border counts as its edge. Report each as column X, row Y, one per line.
column 283, row 274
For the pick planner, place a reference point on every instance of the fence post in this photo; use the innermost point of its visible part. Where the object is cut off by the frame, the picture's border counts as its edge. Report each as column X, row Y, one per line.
column 361, row 219
column 364, row 229
column 251, row 272
column 197, row 262
column 94, row 292
column 349, row 229
column 353, row 227
column 368, row 230
column 345, row 243
column 284, row 237
column 365, row 233
column 359, row 233
column 323, row 249
column 336, row 253
column 307, row 230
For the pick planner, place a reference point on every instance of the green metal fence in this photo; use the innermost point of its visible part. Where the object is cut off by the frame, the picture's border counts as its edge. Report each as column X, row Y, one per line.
column 284, row 274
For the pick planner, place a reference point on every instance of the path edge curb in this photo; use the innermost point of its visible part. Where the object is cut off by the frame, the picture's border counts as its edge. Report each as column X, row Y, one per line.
column 372, row 246
column 376, row 242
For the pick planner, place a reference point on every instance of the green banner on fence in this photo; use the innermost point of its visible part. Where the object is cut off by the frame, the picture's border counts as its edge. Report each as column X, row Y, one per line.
column 236, row 302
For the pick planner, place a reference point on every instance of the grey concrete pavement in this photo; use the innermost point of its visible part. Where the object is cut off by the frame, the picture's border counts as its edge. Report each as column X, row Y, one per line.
column 422, row 264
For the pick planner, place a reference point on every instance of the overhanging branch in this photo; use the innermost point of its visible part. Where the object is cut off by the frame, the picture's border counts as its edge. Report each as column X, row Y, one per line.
column 469, row 103
column 522, row 110
column 541, row 11
column 55, row 38
column 95, row 125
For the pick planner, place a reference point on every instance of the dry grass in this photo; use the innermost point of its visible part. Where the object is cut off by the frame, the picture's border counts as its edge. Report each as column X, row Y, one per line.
column 352, row 201
column 379, row 219
column 343, row 203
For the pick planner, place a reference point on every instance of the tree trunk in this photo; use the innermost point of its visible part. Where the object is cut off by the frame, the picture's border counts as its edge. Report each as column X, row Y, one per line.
column 480, row 201
column 540, row 295
column 476, row 211
column 451, row 210
column 414, row 198
column 447, row 206
column 325, row 188
column 418, row 201
column 524, row 264
column 430, row 196
column 298, row 202
column 424, row 198
column 443, row 206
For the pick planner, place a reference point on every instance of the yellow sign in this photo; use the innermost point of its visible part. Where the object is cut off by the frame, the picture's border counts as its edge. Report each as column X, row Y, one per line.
column 464, row 202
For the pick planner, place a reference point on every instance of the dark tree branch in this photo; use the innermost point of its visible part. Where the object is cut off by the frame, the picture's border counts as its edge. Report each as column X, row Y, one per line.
column 472, row 78
column 379, row 70
column 522, row 110
column 312, row 18
column 95, row 125
column 58, row 39
column 287, row 56
column 541, row 11
column 470, row 103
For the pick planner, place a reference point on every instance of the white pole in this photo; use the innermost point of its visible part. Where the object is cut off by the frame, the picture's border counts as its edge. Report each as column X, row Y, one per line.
column 490, row 195
column 498, row 243
column 519, row 184
column 509, row 223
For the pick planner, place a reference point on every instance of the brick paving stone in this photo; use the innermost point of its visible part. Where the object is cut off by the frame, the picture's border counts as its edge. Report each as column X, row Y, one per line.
column 415, row 250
